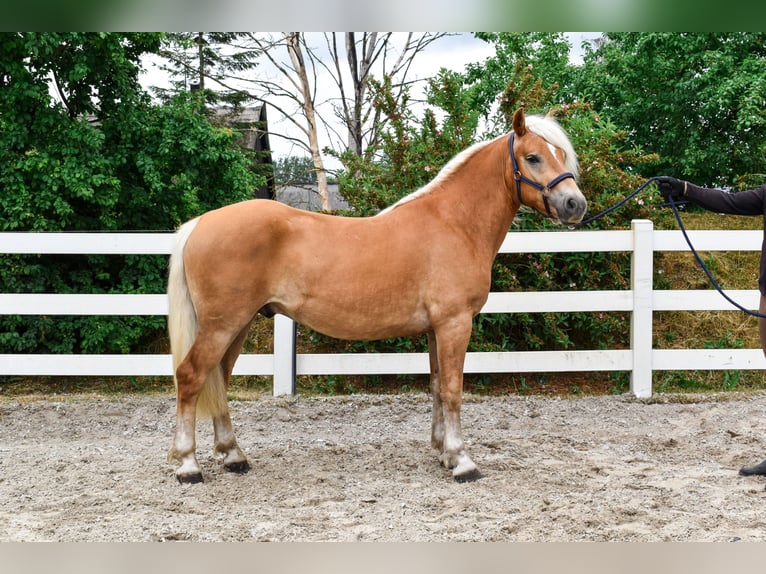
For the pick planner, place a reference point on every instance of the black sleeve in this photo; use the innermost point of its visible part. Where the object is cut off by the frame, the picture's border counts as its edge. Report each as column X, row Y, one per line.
column 750, row 202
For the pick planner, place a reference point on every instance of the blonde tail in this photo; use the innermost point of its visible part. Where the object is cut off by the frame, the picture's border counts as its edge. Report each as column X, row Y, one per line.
column 182, row 327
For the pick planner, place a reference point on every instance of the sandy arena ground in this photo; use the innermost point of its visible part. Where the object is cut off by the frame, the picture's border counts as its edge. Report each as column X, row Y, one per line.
column 607, row 468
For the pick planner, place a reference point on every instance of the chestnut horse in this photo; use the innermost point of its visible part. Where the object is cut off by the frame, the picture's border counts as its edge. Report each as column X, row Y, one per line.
column 421, row 266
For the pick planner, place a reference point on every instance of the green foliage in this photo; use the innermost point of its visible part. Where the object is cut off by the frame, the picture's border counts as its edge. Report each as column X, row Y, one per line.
column 705, row 381
column 411, row 151
column 292, row 170
column 206, row 60
column 544, row 55
column 697, row 99
column 102, row 158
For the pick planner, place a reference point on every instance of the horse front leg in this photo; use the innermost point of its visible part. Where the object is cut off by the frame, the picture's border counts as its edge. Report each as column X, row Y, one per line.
column 451, row 345
column 437, row 413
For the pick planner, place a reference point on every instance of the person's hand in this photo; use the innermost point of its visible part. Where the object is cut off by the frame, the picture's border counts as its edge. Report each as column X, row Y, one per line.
column 670, row 187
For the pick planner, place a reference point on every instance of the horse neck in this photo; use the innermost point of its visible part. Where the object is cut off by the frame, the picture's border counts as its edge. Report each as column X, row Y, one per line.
column 478, row 197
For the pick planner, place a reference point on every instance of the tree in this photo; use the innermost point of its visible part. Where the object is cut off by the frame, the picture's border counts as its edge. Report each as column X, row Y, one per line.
column 697, row 99
column 207, row 62
column 346, row 61
column 293, row 170
column 367, row 53
column 411, row 149
column 99, row 156
column 544, row 54
column 295, row 49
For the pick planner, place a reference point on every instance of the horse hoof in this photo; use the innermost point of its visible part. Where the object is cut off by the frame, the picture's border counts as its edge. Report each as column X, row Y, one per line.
column 469, row 476
column 190, row 478
column 238, row 467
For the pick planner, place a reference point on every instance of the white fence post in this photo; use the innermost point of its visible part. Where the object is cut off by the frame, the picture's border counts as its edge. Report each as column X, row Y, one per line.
column 284, row 355
column 641, row 281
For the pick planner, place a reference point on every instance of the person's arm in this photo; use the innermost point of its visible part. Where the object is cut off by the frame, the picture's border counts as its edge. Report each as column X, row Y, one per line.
column 749, row 202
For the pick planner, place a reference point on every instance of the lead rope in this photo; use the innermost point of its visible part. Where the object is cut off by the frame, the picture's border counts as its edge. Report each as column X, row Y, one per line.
column 617, row 205
column 681, row 226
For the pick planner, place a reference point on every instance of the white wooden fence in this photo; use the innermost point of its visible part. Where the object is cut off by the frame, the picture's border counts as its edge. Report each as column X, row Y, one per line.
column 641, row 300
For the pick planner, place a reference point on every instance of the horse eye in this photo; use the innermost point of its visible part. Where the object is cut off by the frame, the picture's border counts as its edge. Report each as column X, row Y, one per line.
column 533, row 159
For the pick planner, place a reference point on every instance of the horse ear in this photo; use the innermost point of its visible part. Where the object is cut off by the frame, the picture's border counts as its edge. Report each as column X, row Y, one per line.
column 519, row 123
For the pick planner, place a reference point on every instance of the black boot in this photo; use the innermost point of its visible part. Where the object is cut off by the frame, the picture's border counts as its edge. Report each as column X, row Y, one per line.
column 750, row 470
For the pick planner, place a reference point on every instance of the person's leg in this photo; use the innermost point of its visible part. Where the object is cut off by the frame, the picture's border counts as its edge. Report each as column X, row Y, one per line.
column 762, row 323
column 758, row 468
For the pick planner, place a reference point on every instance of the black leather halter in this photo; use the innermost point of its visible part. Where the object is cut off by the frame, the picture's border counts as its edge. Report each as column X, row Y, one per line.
column 543, row 189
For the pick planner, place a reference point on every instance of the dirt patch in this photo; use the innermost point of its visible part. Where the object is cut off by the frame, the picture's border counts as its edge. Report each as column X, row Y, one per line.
column 614, row 468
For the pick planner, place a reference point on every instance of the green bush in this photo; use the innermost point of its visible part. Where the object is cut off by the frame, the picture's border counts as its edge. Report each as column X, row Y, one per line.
column 104, row 158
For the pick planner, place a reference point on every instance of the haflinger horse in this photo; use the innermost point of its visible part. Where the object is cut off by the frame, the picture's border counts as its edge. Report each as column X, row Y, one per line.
column 421, row 266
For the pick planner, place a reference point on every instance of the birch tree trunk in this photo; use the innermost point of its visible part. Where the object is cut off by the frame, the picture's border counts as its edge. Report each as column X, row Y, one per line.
column 293, row 40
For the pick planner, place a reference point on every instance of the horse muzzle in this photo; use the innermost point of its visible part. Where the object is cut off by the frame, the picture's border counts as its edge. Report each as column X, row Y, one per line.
column 570, row 206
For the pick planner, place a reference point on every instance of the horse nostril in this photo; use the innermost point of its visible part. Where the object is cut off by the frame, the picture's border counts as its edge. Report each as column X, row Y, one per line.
column 575, row 207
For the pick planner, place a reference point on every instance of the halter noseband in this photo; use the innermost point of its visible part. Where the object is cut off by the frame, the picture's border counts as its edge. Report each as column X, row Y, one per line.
column 543, row 189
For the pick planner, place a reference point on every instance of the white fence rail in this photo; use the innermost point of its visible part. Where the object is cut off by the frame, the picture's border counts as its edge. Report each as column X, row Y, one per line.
column 641, row 300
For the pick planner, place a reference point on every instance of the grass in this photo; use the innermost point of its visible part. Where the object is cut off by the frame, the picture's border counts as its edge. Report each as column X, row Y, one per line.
column 708, row 329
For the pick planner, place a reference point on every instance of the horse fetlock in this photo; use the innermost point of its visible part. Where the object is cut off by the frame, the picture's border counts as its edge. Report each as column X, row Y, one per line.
column 234, row 460
column 449, row 459
column 175, row 455
column 189, row 472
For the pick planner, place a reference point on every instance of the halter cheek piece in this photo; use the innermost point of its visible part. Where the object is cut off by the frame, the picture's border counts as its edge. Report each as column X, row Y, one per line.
column 543, row 189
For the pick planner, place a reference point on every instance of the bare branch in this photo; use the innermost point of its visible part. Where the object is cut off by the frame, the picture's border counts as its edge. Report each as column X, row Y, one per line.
column 304, row 82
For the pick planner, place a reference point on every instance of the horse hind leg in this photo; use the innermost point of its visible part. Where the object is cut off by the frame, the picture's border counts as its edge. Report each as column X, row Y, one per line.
column 201, row 387
column 191, row 377
column 233, row 458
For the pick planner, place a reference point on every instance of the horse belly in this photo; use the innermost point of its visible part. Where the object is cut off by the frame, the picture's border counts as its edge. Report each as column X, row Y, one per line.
column 346, row 314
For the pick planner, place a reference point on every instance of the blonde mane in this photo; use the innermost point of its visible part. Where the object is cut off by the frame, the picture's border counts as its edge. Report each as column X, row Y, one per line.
column 445, row 173
column 543, row 126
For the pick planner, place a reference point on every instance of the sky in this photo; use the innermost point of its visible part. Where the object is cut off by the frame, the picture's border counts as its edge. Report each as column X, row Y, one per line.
column 453, row 52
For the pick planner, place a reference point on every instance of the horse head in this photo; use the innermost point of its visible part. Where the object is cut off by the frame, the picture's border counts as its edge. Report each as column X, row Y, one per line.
column 544, row 167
